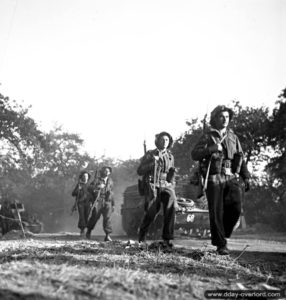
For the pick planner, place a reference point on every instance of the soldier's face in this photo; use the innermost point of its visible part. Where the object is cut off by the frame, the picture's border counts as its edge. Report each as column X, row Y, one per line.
column 106, row 172
column 222, row 120
column 84, row 177
column 164, row 142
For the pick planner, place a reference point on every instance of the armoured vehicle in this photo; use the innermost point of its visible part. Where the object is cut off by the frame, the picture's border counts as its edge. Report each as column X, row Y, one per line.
column 12, row 213
column 191, row 219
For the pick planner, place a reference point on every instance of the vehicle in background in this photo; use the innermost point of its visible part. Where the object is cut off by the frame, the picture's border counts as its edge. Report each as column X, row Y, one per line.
column 11, row 214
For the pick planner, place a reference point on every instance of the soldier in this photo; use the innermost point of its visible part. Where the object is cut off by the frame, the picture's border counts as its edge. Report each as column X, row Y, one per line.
column 225, row 173
column 7, row 217
column 83, row 198
column 103, row 202
column 158, row 171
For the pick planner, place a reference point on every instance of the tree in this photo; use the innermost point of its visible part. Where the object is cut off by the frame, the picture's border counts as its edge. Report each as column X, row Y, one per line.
column 277, row 137
column 20, row 141
column 184, row 144
column 19, row 133
column 251, row 125
column 277, row 164
column 56, row 169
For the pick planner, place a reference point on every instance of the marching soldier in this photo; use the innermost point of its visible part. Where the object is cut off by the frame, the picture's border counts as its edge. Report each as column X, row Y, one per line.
column 225, row 174
column 158, row 171
column 103, row 203
column 82, row 201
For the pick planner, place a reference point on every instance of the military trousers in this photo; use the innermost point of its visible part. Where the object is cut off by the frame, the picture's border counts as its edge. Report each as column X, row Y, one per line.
column 83, row 211
column 103, row 208
column 224, row 195
column 164, row 196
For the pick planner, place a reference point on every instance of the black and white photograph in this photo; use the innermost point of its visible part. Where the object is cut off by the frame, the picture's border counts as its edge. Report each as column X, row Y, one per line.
column 142, row 149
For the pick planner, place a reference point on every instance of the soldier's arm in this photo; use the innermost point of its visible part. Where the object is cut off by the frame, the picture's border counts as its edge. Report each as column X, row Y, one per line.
column 75, row 191
column 112, row 198
column 110, row 191
column 238, row 146
column 171, row 172
column 92, row 187
column 201, row 149
column 244, row 173
column 147, row 164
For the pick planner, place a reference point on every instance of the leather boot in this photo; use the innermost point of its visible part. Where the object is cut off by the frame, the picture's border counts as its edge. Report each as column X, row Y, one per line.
column 88, row 233
column 107, row 238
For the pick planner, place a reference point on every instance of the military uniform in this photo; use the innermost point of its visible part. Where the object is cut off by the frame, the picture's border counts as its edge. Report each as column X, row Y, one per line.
column 159, row 188
column 104, row 205
column 225, row 188
column 7, row 218
column 83, row 199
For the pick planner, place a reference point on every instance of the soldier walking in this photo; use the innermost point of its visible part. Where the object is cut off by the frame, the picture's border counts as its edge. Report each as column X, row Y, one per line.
column 223, row 167
column 103, row 203
column 83, row 198
column 158, row 171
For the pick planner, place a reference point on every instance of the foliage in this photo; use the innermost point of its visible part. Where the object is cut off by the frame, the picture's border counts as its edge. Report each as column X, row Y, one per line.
column 277, row 136
column 251, row 125
column 19, row 134
column 184, row 144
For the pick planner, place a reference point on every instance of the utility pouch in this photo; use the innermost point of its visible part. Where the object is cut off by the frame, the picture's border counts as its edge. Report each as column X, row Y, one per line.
column 171, row 175
column 237, row 162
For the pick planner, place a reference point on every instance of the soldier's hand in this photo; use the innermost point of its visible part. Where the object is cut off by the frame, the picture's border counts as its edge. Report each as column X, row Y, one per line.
column 177, row 206
column 215, row 148
column 236, row 175
column 101, row 186
column 158, row 159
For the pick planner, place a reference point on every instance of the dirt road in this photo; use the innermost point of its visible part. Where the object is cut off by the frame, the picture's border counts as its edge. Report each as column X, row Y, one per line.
column 65, row 266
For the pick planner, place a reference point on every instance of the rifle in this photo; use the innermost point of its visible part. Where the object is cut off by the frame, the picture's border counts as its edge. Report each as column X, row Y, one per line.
column 74, row 207
column 141, row 183
column 97, row 197
column 197, row 177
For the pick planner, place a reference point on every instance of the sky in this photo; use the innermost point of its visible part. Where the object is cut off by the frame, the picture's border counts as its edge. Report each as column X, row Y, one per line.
column 118, row 72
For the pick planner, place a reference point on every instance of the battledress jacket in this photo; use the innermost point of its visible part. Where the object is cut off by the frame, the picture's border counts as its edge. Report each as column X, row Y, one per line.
column 232, row 152
column 81, row 192
column 165, row 171
column 106, row 193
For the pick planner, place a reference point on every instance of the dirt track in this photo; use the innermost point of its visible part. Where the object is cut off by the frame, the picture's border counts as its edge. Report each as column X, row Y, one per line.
column 65, row 266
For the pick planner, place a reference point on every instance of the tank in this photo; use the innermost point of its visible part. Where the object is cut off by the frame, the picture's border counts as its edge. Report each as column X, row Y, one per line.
column 10, row 213
column 191, row 219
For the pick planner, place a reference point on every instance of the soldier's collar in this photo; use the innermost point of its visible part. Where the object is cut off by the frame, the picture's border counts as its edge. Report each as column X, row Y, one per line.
column 162, row 151
column 228, row 130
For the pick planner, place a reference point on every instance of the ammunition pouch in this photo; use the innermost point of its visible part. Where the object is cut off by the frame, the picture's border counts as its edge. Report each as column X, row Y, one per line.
column 237, row 162
column 226, row 168
column 219, row 165
column 171, row 175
